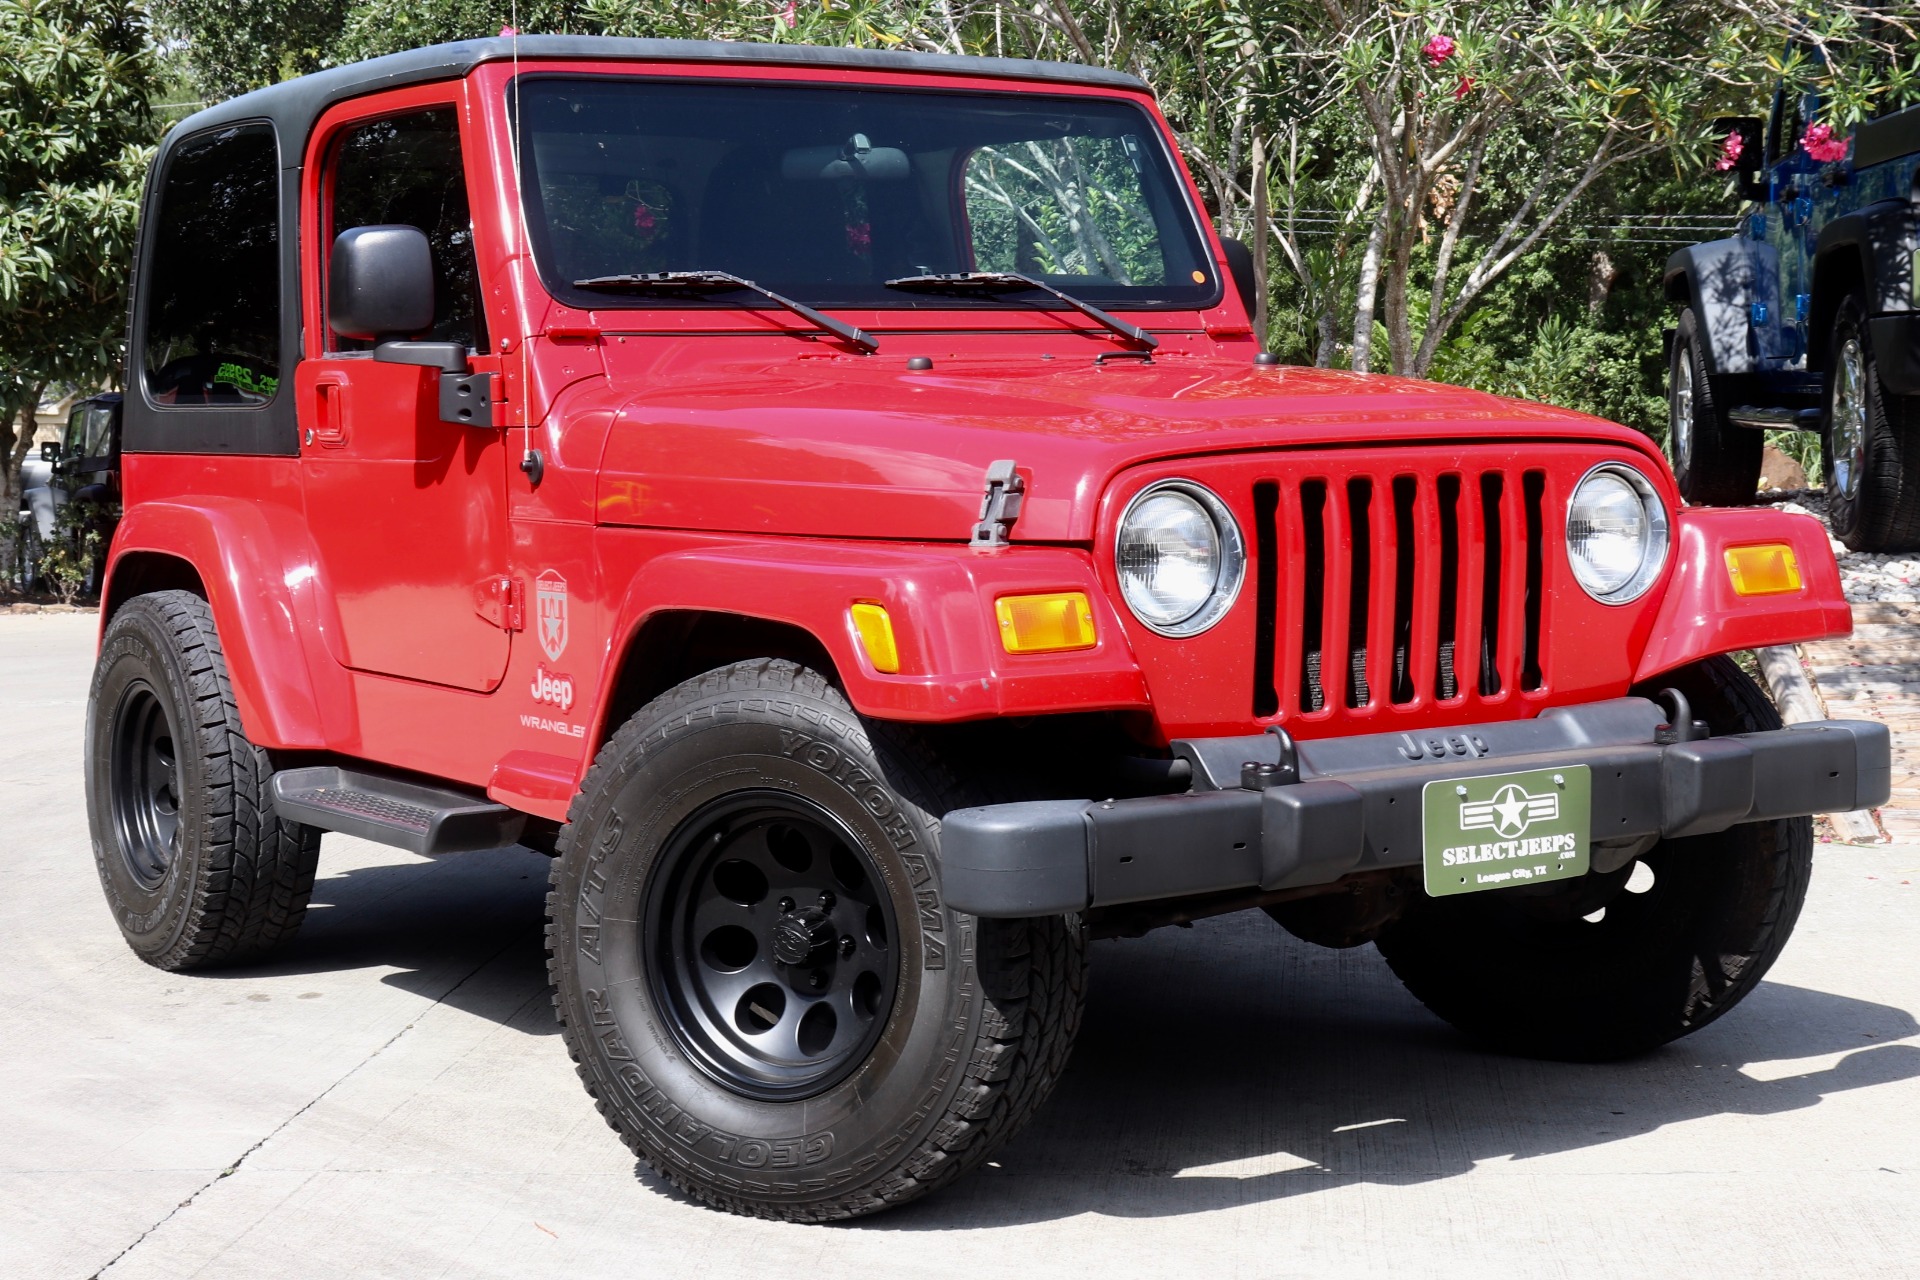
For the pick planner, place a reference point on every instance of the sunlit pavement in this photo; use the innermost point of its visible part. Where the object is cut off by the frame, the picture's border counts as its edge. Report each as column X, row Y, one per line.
column 390, row 1098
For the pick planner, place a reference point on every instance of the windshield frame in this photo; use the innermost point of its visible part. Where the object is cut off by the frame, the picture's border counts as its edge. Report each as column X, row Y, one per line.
column 1192, row 221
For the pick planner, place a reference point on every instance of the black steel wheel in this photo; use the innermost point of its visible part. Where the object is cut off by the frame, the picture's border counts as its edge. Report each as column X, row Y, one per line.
column 143, row 786
column 756, row 971
column 773, row 945
column 196, row 866
column 1714, row 462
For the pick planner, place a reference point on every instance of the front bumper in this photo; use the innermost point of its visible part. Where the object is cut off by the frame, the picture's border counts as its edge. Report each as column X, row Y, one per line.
column 1357, row 805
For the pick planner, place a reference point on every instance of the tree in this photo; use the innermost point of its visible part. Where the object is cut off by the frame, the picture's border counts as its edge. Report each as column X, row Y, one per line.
column 75, row 134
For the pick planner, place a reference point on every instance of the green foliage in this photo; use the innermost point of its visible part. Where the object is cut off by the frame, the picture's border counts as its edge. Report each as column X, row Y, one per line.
column 71, row 563
column 75, row 134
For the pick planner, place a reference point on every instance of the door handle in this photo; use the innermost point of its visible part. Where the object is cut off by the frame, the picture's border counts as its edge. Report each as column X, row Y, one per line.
column 329, row 410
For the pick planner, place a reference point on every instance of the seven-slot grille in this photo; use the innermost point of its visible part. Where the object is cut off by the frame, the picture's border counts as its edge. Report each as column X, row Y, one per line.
column 1383, row 588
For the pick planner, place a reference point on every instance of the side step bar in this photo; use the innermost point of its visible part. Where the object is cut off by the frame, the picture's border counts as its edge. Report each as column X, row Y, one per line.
column 1759, row 419
column 421, row 819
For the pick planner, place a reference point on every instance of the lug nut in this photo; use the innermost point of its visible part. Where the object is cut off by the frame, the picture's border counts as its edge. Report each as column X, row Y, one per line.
column 816, row 979
column 846, row 944
column 826, row 899
column 786, row 906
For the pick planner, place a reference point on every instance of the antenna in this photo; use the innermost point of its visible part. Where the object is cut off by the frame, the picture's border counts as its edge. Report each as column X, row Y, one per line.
column 530, row 460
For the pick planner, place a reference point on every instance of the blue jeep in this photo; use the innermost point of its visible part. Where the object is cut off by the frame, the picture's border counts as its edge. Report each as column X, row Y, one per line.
column 1808, row 320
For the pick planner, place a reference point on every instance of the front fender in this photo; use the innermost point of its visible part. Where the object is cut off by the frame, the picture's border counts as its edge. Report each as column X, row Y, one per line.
column 265, row 598
column 1700, row 616
column 1723, row 278
column 941, row 600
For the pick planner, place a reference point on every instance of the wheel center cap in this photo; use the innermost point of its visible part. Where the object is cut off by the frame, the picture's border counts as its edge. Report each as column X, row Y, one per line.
column 802, row 937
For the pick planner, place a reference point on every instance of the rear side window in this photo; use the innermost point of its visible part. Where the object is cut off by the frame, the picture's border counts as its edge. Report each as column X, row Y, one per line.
column 406, row 169
column 213, row 306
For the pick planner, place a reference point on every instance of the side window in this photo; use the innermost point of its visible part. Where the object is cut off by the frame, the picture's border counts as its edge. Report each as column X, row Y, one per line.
column 406, row 169
column 1067, row 207
column 212, row 333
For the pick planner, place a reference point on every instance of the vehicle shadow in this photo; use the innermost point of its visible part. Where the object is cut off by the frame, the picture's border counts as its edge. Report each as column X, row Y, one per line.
column 466, row 931
column 1230, row 1064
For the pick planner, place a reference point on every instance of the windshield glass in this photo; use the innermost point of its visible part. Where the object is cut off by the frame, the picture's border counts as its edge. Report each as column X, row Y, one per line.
column 825, row 194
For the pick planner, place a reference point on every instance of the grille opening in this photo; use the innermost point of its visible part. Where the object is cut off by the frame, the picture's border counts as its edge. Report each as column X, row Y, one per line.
column 1445, row 681
column 1404, row 488
column 1266, row 588
column 1533, row 485
column 1492, row 483
column 1313, row 512
column 1359, row 587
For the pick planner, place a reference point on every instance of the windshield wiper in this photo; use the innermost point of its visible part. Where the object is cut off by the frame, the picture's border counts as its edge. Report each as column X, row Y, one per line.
column 721, row 282
column 993, row 280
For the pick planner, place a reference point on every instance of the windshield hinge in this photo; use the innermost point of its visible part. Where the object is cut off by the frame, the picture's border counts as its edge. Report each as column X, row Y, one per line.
column 1006, row 491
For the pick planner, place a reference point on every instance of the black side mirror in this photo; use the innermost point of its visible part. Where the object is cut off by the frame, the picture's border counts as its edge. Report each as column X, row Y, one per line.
column 50, row 451
column 1750, row 166
column 1240, row 265
column 380, row 283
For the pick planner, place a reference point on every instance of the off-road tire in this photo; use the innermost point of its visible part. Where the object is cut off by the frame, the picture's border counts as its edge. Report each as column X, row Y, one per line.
column 1715, row 463
column 1882, row 513
column 984, row 1014
column 1529, row 975
column 237, row 880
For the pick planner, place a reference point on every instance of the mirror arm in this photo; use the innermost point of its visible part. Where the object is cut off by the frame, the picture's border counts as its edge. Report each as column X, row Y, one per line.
column 448, row 357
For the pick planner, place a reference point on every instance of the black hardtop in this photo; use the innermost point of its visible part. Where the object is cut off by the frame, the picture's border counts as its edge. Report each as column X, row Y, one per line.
column 294, row 105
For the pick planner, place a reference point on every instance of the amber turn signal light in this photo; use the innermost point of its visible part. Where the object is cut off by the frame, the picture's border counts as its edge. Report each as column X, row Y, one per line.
column 876, row 636
column 1770, row 569
column 1051, row 623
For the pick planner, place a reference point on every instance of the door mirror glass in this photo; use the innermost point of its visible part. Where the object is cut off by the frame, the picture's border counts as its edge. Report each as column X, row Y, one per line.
column 380, row 283
column 50, row 451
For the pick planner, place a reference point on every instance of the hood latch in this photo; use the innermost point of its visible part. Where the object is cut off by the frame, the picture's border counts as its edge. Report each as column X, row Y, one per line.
column 1006, row 492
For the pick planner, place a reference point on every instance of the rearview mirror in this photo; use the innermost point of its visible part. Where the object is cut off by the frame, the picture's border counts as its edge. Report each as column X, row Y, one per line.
column 857, row 158
column 1749, row 163
column 380, row 283
column 49, row 451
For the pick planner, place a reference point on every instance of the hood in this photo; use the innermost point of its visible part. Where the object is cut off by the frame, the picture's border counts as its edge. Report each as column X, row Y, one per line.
column 844, row 446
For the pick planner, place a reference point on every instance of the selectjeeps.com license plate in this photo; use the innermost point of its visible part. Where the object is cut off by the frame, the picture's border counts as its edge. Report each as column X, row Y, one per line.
column 1505, row 830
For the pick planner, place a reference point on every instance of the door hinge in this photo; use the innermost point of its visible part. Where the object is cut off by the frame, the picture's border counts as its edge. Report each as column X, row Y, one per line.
column 501, row 600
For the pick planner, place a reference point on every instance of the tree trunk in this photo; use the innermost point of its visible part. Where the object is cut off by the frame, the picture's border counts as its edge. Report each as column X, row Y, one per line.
column 16, row 441
column 1368, row 293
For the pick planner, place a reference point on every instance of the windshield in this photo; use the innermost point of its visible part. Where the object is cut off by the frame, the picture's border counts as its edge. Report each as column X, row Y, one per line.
column 825, row 194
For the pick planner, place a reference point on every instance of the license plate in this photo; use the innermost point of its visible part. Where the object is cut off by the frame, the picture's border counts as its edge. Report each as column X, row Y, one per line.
column 1506, row 829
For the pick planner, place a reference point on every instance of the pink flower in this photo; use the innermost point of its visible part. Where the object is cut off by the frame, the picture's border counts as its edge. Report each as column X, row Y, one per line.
column 860, row 238
column 1818, row 141
column 1438, row 50
column 643, row 219
column 790, row 14
column 1464, row 88
column 1730, row 149
column 509, row 31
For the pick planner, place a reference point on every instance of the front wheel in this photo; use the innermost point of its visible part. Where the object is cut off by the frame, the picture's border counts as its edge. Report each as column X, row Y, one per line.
column 1714, row 462
column 1614, row 964
column 755, row 970
column 1872, row 444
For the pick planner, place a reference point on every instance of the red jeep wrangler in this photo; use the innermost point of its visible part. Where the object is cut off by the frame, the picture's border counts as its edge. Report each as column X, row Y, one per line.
column 835, row 504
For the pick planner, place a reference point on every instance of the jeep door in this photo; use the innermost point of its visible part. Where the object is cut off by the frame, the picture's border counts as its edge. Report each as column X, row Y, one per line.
column 408, row 513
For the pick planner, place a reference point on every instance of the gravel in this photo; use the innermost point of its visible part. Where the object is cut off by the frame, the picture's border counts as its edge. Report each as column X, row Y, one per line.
column 1890, row 579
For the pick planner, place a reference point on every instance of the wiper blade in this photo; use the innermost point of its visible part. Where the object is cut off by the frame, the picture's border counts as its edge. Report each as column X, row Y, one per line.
column 721, row 282
column 962, row 280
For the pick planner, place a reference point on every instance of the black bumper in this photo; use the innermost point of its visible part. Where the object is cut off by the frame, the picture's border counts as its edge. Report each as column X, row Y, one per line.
column 1357, row 805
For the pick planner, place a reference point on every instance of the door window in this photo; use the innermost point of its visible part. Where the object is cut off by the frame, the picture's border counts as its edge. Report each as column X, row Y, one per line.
column 212, row 332
column 406, row 170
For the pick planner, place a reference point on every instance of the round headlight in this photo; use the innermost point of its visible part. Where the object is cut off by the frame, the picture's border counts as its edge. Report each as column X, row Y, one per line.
column 1616, row 533
column 1180, row 558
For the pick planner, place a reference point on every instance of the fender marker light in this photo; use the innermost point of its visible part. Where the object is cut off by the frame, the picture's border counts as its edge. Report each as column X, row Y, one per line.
column 1766, row 570
column 876, row 635
column 1051, row 623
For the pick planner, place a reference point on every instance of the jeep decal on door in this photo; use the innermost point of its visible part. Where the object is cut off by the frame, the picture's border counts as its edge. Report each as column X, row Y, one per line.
column 550, row 599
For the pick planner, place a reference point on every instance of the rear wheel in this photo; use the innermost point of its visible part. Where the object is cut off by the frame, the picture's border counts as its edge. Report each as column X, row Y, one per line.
column 1714, row 462
column 1872, row 452
column 197, row 867
column 755, row 970
column 1616, row 963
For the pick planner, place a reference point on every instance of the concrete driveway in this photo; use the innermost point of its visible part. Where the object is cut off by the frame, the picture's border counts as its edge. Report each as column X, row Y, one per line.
column 390, row 1098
